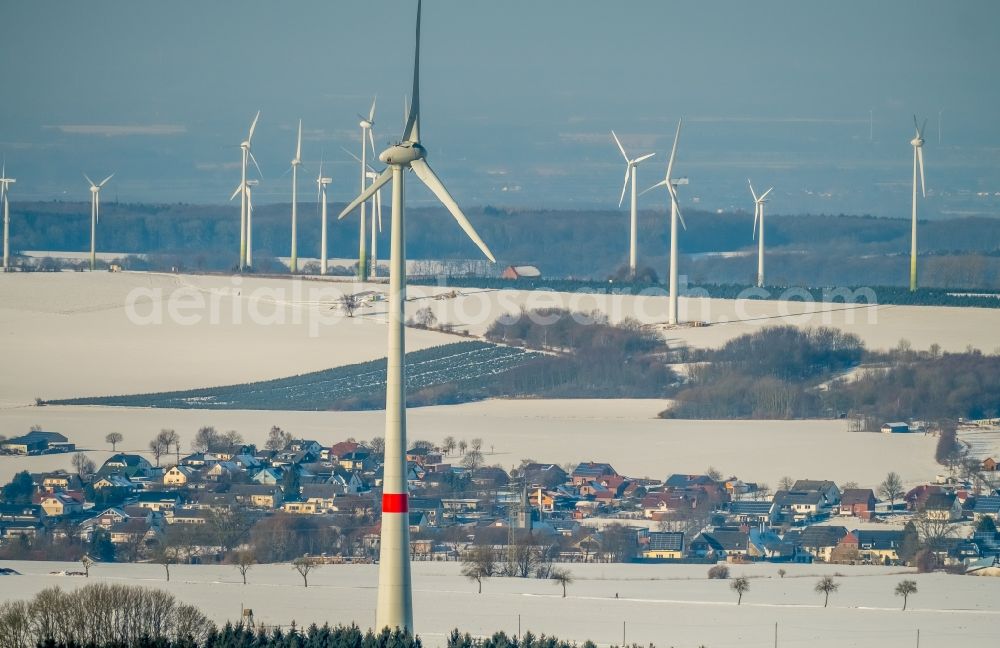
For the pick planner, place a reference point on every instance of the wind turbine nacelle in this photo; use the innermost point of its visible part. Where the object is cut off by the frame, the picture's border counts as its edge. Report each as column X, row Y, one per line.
column 402, row 154
column 917, row 141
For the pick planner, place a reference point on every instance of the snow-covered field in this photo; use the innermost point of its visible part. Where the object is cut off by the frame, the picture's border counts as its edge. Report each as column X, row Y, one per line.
column 663, row 604
column 79, row 334
column 625, row 433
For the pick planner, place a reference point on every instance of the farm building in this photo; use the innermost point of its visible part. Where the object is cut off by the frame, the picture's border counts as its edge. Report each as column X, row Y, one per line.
column 521, row 272
column 895, row 428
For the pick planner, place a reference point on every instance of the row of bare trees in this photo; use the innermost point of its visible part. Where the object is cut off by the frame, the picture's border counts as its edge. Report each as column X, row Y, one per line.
column 100, row 614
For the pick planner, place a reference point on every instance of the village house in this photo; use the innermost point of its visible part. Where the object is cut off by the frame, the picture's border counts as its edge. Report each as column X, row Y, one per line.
column 878, row 547
column 987, row 506
column 799, row 506
column 132, row 466
column 819, row 541
column 663, row 545
column 753, row 513
column 37, row 442
column 858, row 502
column 828, row 489
column 943, row 507
column 721, row 543
column 591, row 471
column 59, row 480
column 60, row 504
column 897, row 427
column 178, row 476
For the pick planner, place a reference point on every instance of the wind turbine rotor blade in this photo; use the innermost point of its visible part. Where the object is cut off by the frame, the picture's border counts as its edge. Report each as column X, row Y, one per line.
column 411, row 133
column 351, row 154
column 642, row 158
column 661, row 183
column 378, row 208
column 89, row 180
column 920, row 160
column 427, row 176
column 752, row 192
column 298, row 146
column 621, row 148
column 250, row 153
column 756, row 213
column 368, row 192
column 673, row 152
column 239, row 188
column 253, row 126
column 371, row 140
column 676, row 205
column 624, row 186
column 371, row 113
column 923, row 128
column 764, row 195
column 105, row 181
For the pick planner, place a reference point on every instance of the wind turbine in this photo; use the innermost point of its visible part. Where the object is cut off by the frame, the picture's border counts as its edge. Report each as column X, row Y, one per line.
column 293, row 264
column 95, row 215
column 630, row 170
column 321, row 184
column 376, row 205
column 758, row 213
column 918, row 159
column 675, row 214
column 245, row 225
column 5, row 183
column 395, row 607
column 366, row 138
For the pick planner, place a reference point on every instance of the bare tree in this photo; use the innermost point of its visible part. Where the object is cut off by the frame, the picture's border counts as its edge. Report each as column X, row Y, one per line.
column 741, row 586
column 114, row 438
column 781, row 573
column 826, row 586
column 477, row 444
column 166, row 555
column 377, row 445
column 479, row 563
column 277, row 439
column 561, row 576
column 244, row 560
column 786, row 483
column 304, row 565
column 463, row 445
column 448, row 445
column 157, row 448
column 891, row 489
column 83, row 466
column 713, row 474
column 905, row 588
column 349, row 304
column 472, row 460
column 87, row 563
column 171, row 438
column 763, row 491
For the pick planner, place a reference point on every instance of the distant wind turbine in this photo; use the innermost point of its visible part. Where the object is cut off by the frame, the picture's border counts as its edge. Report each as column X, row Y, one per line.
column 246, row 256
column 321, row 183
column 367, row 123
column 758, row 213
column 918, row 160
column 95, row 215
column 675, row 215
column 376, row 205
column 5, row 183
column 293, row 264
column 395, row 605
column 630, row 172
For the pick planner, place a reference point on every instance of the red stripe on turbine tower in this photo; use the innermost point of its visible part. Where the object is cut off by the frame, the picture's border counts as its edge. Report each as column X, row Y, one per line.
column 395, row 503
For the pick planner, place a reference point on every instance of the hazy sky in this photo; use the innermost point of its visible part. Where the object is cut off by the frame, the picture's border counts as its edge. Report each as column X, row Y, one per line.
column 518, row 97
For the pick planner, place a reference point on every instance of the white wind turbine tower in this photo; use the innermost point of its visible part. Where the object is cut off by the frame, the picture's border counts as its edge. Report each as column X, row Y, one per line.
column 293, row 264
column 95, row 215
column 5, row 183
column 630, row 172
column 321, row 184
column 376, row 205
column 918, row 160
column 395, row 607
column 758, row 214
column 367, row 138
column 245, row 235
column 671, row 184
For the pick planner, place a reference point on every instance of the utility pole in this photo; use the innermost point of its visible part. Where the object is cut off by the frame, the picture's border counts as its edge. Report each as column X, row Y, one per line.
column 623, row 634
column 775, row 634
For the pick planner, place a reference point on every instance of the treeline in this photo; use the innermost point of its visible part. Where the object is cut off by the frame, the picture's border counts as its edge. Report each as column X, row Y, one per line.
column 927, row 387
column 786, row 372
column 586, row 243
column 769, row 374
column 588, row 357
